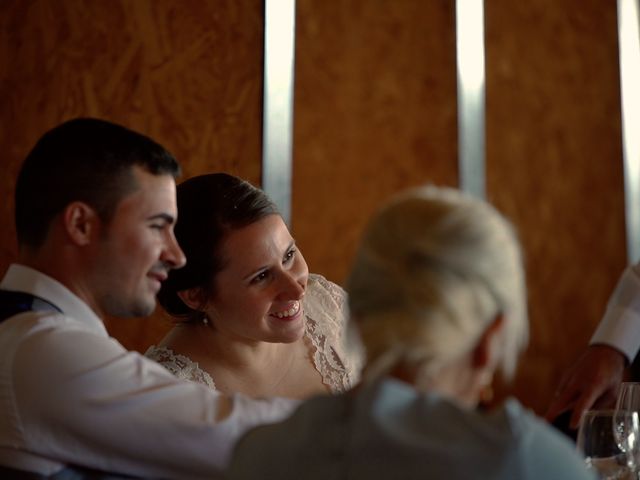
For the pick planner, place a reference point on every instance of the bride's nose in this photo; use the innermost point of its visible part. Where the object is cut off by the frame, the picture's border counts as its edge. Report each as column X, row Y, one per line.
column 292, row 286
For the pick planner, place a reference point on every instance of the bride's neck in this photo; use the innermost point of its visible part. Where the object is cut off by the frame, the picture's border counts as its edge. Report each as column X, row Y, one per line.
column 231, row 352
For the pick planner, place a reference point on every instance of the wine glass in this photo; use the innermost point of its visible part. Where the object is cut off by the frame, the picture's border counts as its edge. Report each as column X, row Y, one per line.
column 627, row 408
column 629, row 396
column 604, row 445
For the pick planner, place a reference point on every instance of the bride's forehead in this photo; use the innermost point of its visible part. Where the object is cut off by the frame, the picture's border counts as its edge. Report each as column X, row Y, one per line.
column 267, row 236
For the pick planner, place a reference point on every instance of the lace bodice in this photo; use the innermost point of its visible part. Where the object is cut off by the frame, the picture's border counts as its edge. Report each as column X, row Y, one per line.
column 325, row 330
column 181, row 366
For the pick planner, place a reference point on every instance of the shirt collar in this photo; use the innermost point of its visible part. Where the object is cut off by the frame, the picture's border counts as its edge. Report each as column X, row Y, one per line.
column 21, row 278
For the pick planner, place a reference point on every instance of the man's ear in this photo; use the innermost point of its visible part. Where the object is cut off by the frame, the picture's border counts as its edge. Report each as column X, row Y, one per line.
column 484, row 351
column 193, row 298
column 81, row 223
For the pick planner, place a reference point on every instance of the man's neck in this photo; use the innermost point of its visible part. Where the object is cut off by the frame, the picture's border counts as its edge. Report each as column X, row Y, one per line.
column 62, row 268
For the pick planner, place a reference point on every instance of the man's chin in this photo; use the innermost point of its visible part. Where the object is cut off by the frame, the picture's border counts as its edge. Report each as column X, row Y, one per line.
column 146, row 309
column 135, row 310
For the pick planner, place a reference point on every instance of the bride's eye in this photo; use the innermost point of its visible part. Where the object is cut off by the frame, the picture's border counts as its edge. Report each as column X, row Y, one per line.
column 260, row 277
column 289, row 256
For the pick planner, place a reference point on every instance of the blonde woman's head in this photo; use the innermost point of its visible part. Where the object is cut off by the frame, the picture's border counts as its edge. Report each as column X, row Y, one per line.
column 435, row 269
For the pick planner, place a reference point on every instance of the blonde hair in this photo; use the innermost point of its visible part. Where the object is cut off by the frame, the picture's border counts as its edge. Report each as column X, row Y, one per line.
column 434, row 269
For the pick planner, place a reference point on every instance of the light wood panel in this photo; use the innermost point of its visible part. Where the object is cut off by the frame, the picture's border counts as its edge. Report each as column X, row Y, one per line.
column 554, row 164
column 375, row 112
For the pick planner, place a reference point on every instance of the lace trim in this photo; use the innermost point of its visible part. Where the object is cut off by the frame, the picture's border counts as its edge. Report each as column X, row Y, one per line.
column 324, row 305
column 338, row 364
column 181, row 366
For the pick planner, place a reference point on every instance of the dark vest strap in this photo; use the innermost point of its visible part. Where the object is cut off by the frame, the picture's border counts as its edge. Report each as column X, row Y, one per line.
column 12, row 303
column 69, row 473
column 11, row 473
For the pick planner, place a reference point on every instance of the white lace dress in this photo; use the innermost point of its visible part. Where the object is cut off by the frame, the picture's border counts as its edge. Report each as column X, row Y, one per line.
column 334, row 358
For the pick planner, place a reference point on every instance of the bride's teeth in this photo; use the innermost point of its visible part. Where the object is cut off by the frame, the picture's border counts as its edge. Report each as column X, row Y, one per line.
column 288, row 313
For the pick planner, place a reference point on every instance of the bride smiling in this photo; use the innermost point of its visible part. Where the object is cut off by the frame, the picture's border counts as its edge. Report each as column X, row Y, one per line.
column 249, row 316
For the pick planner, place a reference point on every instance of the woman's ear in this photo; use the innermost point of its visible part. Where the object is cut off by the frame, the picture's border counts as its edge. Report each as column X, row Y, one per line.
column 193, row 298
column 484, row 352
column 81, row 223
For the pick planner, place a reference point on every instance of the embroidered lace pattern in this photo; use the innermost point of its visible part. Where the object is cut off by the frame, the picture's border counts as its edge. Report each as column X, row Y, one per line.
column 324, row 307
column 181, row 366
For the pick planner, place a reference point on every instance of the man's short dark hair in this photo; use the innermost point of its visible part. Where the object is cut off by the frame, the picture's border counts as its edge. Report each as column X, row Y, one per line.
column 87, row 160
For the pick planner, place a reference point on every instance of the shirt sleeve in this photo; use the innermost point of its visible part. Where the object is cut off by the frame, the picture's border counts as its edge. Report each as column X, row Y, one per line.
column 84, row 399
column 620, row 326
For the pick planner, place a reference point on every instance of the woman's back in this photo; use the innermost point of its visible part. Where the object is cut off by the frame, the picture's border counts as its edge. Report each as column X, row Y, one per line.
column 389, row 430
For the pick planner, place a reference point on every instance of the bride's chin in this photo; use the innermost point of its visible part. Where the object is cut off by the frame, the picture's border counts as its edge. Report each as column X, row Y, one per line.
column 291, row 334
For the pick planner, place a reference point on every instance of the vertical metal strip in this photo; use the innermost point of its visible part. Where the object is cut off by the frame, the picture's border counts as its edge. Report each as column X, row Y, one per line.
column 279, row 44
column 471, row 95
column 629, row 45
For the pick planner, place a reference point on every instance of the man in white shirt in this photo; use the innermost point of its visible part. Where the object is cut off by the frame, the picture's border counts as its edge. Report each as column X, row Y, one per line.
column 593, row 380
column 95, row 210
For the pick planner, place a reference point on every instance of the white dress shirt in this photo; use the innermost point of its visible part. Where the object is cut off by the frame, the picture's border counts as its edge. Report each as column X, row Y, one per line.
column 620, row 326
column 70, row 394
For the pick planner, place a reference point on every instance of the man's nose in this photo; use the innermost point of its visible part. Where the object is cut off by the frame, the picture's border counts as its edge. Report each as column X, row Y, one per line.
column 173, row 254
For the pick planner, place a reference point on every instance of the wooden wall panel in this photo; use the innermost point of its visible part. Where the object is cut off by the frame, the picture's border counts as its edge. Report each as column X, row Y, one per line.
column 554, row 164
column 375, row 112
column 188, row 73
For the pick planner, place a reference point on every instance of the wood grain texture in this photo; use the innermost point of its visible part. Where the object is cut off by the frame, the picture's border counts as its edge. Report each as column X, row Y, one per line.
column 375, row 112
column 554, row 165
column 187, row 73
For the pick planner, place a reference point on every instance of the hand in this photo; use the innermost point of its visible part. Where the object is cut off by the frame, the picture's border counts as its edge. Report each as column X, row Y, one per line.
column 592, row 381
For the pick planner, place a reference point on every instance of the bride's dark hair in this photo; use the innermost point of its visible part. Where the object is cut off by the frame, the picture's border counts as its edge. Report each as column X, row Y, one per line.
column 209, row 207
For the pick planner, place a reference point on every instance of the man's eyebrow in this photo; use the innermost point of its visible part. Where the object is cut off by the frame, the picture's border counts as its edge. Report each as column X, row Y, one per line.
column 163, row 216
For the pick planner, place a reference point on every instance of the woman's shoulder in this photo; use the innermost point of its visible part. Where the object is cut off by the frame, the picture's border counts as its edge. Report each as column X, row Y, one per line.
column 524, row 425
column 324, row 303
column 509, row 435
column 326, row 329
column 318, row 287
column 522, row 421
column 542, row 449
column 180, row 365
